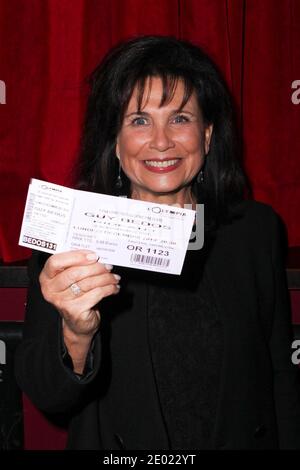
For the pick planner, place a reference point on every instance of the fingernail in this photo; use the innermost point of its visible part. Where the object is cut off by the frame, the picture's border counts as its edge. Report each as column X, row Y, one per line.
column 118, row 286
column 117, row 276
column 108, row 267
column 92, row 256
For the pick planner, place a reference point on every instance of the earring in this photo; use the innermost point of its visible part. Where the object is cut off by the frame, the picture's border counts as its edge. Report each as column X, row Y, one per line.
column 200, row 177
column 119, row 182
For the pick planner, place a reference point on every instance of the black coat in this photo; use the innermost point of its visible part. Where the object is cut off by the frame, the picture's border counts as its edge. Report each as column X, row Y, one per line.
column 116, row 406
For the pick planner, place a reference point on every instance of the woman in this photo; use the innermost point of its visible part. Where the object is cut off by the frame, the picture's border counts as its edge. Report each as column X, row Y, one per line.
column 197, row 361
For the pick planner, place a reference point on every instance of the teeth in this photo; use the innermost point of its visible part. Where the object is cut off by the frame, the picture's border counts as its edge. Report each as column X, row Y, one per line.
column 164, row 164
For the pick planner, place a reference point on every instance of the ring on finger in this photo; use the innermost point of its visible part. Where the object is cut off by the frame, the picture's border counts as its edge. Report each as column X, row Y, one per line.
column 76, row 290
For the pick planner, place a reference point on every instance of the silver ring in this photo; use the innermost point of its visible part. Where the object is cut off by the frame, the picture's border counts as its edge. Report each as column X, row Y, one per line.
column 75, row 288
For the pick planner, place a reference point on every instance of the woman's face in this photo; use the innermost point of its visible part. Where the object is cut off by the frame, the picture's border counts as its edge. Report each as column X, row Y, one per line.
column 162, row 148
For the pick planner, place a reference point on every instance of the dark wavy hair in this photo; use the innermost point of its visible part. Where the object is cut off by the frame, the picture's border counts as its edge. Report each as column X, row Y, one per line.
column 129, row 65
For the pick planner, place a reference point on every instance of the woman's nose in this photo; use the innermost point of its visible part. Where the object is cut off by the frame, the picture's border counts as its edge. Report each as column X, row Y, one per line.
column 161, row 139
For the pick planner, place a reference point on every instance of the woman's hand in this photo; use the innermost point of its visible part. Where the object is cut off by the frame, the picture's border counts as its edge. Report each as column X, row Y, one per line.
column 75, row 282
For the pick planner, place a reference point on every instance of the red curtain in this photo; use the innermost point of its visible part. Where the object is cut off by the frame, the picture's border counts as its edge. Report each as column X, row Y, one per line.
column 48, row 47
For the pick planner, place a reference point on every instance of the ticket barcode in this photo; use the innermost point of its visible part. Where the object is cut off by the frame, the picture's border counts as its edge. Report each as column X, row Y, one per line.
column 150, row 260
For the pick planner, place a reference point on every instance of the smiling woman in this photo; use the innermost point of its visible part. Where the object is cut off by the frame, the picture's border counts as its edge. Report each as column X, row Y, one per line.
column 196, row 361
column 156, row 99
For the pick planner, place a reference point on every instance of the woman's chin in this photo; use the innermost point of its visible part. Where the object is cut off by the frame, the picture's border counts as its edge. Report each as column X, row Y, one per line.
column 159, row 193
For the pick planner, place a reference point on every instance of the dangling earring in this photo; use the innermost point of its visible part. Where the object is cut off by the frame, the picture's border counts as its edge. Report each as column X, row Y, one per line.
column 200, row 177
column 119, row 182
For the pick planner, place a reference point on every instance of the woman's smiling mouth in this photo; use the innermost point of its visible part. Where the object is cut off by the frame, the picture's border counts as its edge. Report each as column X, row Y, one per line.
column 161, row 166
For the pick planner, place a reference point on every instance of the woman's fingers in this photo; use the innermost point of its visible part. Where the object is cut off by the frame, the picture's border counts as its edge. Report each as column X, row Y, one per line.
column 75, row 282
column 90, row 283
column 87, row 301
column 78, row 289
column 62, row 270
column 62, row 261
column 75, row 274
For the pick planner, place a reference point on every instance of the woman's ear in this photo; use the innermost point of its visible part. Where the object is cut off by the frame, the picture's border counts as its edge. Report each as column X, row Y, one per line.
column 207, row 137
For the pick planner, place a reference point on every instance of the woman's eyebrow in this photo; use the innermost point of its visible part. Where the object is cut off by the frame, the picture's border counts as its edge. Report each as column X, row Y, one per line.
column 182, row 110
column 140, row 113
column 174, row 111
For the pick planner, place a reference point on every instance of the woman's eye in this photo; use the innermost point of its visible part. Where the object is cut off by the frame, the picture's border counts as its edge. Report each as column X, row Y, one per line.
column 139, row 121
column 180, row 118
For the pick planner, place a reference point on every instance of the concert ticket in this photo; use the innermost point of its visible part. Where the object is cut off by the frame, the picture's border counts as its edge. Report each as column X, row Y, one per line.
column 122, row 231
